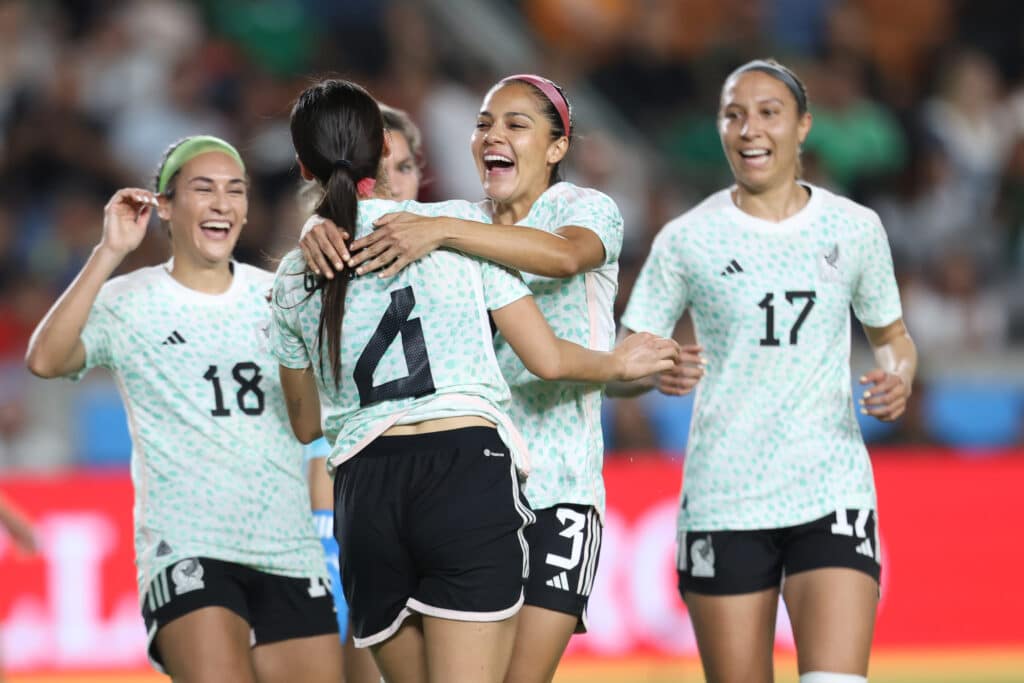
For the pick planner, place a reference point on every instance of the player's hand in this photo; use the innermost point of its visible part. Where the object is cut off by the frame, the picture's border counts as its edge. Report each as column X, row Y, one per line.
column 685, row 374
column 642, row 354
column 323, row 246
column 125, row 218
column 886, row 397
column 397, row 240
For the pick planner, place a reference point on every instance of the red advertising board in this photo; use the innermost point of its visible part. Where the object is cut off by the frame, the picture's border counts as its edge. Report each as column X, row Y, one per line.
column 949, row 532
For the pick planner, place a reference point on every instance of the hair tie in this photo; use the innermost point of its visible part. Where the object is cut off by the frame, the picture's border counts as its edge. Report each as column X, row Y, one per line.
column 364, row 188
column 343, row 164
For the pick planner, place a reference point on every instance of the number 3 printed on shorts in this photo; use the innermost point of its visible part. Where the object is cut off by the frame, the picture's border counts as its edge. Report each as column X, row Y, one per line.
column 574, row 525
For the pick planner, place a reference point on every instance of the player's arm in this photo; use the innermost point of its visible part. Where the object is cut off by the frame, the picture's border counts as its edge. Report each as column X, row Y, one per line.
column 56, row 348
column 303, row 402
column 401, row 238
column 678, row 380
column 552, row 358
column 891, row 382
column 17, row 526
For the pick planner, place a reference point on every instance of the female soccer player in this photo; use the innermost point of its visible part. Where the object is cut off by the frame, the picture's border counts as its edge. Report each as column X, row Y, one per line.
column 567, row 240
column 778, row 488
column 403, row 170
column 426, row 489
column 231, row 577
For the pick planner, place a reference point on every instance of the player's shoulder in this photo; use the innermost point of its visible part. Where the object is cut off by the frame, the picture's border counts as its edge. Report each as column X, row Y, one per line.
column 702, row 217
column 132, row 284
column 566, row 197
column 290, row 278
column 253, row 275
column 850, row 211
column 570, row 192
column 456, row 208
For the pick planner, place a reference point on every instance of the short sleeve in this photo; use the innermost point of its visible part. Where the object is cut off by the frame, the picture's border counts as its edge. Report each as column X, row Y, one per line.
column 98, row 339
column 876, row 297
column 597, row 212
column 501, row 285
column 661, row 293
column 286, row 343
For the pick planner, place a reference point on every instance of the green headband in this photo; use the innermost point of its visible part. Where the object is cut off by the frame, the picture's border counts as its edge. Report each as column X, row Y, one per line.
column 189, row 150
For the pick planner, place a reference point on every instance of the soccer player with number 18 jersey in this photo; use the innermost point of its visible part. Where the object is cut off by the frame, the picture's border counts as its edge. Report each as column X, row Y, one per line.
column 231, row 577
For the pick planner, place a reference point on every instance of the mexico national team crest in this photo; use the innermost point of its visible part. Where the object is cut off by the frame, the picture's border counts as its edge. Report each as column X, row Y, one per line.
column 187, row 576
column 702, row 558
column 829, row 268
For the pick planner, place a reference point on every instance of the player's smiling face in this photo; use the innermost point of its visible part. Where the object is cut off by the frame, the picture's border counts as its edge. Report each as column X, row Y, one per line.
column 208, row 208
column 761, row 130
column 512, row 144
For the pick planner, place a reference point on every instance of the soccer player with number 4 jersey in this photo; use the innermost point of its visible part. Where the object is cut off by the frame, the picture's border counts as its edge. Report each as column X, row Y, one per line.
column 778, row 492
column 427, row 463
column 231, row 576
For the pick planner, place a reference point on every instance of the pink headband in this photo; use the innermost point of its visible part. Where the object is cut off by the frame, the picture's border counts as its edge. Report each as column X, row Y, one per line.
column 550, row 91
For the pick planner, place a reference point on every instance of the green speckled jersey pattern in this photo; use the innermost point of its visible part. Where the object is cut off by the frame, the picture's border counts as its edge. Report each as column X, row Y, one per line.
column 216, row 469
column 415, row 347
column 774, row 440
column 561, row 421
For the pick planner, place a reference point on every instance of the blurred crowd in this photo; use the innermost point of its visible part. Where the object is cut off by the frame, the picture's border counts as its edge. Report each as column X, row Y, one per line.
column 918, row 112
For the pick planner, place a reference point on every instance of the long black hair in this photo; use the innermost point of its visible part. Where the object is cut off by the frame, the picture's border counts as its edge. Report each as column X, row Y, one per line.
column 338, row 134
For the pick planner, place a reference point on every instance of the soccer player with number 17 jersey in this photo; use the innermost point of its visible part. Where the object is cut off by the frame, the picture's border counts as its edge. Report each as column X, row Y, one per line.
column 777, row 481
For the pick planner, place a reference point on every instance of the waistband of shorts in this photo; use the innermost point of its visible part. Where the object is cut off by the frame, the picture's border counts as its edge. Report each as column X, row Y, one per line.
column 409, row 443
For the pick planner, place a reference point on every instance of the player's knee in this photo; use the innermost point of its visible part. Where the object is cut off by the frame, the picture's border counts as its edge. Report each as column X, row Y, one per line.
column 830, row 677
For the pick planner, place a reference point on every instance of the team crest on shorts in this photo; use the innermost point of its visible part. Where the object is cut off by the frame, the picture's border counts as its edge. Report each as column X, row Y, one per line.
column 187, row 576
column 702, row 557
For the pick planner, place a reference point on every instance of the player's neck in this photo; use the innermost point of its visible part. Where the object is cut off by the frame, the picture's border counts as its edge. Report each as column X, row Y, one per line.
column 515, row 209
column 773, row 204
column 212, row 278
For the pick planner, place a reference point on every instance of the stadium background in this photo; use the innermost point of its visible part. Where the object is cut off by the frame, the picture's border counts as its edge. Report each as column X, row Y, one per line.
column 919, row 113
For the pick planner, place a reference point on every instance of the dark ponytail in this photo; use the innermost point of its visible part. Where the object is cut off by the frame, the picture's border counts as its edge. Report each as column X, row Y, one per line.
column 338, row 134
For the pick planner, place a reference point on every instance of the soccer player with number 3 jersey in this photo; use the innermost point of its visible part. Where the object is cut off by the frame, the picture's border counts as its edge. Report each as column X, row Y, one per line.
column 778, row 492
column 427, row 463
column 566, row 241
column 231, row 576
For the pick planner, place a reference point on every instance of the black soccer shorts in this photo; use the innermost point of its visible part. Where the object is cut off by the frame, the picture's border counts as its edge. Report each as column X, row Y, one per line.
column 736, row 562
column 565, row 545
column 433, row 525
column 276, row 607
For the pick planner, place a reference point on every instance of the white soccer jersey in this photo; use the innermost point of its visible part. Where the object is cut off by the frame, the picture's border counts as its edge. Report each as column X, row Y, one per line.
column 774, row 439
column 216, row 468
column 561, row 421
column 415, row 347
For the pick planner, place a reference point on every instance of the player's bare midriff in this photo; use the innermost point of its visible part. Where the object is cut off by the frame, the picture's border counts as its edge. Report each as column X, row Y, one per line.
column 440, row 425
